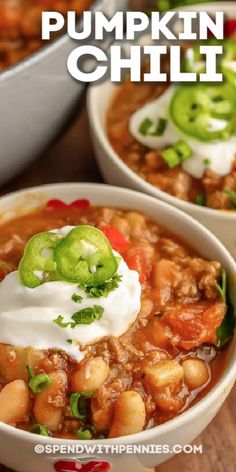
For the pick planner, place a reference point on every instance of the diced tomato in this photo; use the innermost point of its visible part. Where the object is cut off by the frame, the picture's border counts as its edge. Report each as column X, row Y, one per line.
column 83, row 204
column 136, row 260
column 2, row 274
column 56, row 204
column 230, row 27
column 116, row 238
column 196, row 323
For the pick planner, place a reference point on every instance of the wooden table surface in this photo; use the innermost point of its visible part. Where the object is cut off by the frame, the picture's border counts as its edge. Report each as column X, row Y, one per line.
column 71, row 158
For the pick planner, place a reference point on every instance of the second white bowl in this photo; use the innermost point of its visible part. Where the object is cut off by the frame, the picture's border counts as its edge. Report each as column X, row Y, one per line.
column 116, row 172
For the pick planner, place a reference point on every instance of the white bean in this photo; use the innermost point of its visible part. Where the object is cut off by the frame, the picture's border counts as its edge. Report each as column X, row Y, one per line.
column 163, row 373
column 48, row 405
column 90, row 376
column 129, row 415
column 196, row 373
column 14, row 402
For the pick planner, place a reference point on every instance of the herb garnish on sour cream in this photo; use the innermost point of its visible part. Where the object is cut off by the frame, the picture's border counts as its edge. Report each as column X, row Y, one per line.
column 40, row 312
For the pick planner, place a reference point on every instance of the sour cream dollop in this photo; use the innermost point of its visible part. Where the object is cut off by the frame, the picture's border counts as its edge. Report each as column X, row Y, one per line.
column 218, row 155
column 27, row 315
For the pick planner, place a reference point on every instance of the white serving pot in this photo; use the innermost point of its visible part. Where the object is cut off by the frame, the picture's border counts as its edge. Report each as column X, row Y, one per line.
column 37, row 97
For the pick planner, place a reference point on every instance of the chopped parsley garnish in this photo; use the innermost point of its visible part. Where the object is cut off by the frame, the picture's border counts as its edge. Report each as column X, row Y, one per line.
column 103, row 290
column 232, row 196
column 85, row 316
column 88, row 315
column 207, row 162
column 77, row 298
column 222, row 288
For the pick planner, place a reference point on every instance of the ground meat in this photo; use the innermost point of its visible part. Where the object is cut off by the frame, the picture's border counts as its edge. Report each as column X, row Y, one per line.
column 174, row 181
column 211, row 181
column 189, row 279
column 171, row 249
column 229, row 182
column 209, row 272
column 119, row 353
column 219, row 200
column 154, row 160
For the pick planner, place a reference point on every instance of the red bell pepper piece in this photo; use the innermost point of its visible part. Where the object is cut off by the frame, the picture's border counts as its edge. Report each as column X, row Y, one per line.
column 83, row 204
column 116, row 238
column 56, row 204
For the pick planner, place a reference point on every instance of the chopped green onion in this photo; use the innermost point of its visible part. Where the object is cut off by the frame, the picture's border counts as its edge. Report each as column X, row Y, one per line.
column 222, row 289
column 69, row 341
column 160, row 128
column 88, row 315
column 200, row 199
column 145, row 126
column 232, row 196
column 39, row 429
column 86, row 432
column 184, row 150
column 226, row 329
column 171, row 157
column 207, row 162
column 177, row 154
column 39, row 383
column 78, row 406
column 59, row 322
column 77, row 298
column 30, row 372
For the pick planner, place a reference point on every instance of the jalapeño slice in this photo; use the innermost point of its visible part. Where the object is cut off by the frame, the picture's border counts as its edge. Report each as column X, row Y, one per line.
column 85, row 256
column 37, row 264
column 205, row 112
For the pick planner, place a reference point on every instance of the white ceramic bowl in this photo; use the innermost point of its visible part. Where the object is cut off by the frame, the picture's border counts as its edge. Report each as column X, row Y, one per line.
column 115, row 171
column 17, row 447
column 37, row 96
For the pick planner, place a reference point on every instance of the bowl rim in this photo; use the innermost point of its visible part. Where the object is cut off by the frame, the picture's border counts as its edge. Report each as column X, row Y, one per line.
column 225, row 381
column 44, row 51
column 99, row 128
